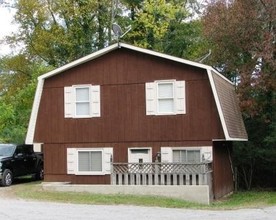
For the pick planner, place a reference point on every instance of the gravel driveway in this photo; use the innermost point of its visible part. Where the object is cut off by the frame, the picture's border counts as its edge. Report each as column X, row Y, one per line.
column 12, row 208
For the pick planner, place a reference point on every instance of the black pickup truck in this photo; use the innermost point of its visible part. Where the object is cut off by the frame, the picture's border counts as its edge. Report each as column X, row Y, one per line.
column 17, row 161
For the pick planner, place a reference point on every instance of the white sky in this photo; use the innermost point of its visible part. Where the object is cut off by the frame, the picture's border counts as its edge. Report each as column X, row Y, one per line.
column 6, row 27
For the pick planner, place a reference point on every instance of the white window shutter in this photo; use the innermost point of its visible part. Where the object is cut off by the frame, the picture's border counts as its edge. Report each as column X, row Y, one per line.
column 166, row 154
column 95, row 101
column 180, row 102
column 151, row 107
column 71, row 160
column 108, row 154
column 68, row 102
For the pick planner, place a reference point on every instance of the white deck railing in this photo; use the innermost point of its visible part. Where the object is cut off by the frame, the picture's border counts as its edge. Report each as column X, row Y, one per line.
column 161, row 174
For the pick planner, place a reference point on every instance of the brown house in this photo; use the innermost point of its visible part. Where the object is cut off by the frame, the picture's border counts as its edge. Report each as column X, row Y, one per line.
column 131, row 116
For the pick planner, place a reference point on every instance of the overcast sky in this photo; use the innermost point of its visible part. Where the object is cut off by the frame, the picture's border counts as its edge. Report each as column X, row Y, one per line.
column 6, row 27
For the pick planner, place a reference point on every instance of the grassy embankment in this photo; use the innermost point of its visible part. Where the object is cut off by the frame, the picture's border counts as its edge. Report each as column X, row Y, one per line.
column 238, row 200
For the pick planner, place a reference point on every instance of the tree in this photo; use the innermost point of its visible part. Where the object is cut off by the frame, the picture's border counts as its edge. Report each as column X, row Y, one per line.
column 60, row 31
column 165, row 26
column 242, row 35
column 53, row 33
column 18, row 81
column 151, row 23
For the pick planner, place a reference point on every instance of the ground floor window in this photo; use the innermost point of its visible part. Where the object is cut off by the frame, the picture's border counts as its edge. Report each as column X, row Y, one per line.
column 189, row 154
column 186, row 156
column 89, row 161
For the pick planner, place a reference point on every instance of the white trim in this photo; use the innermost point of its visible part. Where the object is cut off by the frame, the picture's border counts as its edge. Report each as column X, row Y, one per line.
column 71, row 158
column 89, row 101
column 167, row 152
column 219, row 108
column 160, row 82
column 95, row 101
column 178, row 97
column 165, row 56
column 220, row 75
column 79, row 61
column 140, row 148
column 122, row 45
column 150, row 90
column 37, row 147
column 70, row 102
column 73, row 164
column 89, row 172
column 32, row 123
column 231, row 139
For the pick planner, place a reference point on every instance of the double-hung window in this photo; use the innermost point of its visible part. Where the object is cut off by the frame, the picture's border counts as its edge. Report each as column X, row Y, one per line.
column 186, row 156
column 89, row 161
column 82, row 101
column 165, row 97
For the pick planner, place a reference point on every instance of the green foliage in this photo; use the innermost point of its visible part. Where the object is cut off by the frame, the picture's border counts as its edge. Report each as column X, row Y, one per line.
column 243, row 44
column 184, row 39
column 151, row 23
column 61, row 31
column 18, row 81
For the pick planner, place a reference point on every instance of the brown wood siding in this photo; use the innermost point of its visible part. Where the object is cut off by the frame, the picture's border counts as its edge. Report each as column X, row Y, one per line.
column 122, row 75
column 222, row 171
column 55, row 166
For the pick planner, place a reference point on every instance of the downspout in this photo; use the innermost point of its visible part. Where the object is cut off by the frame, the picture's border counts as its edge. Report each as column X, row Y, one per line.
column 231, row 164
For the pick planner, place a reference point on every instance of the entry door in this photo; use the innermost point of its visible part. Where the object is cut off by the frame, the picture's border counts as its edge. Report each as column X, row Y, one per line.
column 139, row 155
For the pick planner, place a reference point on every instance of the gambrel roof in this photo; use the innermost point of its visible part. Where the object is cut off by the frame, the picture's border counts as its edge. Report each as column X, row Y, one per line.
column 223, row 92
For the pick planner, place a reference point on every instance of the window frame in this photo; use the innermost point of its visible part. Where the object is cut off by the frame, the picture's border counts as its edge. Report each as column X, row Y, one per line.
column 206, row 152
column 152, row 97
column 75, row 87
column 94, row 99
column 158, row 98
column 186, row 154
column 78, row 172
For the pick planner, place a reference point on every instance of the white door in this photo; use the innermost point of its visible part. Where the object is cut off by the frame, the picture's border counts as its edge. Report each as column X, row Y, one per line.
column 139, row 155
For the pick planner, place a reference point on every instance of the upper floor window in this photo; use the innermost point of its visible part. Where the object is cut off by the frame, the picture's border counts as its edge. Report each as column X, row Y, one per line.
column 82, row 101
column 165, row 97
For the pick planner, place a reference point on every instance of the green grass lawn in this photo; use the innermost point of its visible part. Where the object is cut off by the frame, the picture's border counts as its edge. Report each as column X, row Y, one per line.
column 249, row 199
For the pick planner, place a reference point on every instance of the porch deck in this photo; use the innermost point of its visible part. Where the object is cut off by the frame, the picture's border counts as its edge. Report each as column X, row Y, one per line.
column 161, row 174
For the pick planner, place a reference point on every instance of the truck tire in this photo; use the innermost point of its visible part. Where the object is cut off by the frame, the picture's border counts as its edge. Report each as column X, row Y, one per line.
column 7, row 178
column 40, row 174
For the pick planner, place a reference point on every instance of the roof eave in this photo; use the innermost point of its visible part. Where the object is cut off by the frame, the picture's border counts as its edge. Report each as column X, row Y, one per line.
column 127, row 46
column 79, row 61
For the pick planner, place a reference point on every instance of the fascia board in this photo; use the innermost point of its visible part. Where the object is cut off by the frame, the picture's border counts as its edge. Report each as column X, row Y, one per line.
column 165, row 56
column 32, row 123
column 123, row 45
column 231, row 139
column 219, row 108
column 79, row 61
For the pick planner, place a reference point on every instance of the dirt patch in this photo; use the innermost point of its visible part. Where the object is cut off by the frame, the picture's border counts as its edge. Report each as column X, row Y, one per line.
column 7, row 192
